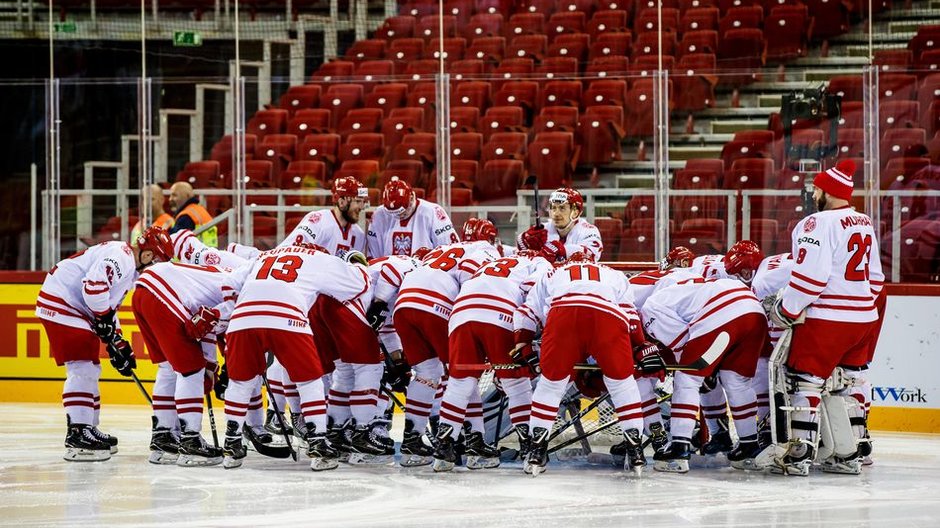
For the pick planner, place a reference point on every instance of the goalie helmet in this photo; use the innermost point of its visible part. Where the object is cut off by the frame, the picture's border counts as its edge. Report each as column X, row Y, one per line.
column 349, row 187
column 398, row 196
column 156, row 240
column 567, row 195
column 743, row 259
column 678, row 257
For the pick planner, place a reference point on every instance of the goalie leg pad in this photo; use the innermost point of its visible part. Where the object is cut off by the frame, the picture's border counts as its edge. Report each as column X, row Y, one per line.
column 840, row 447
column 805, row 392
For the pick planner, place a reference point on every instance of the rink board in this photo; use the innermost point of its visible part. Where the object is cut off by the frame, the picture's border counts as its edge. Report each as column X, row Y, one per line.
column 904, row 393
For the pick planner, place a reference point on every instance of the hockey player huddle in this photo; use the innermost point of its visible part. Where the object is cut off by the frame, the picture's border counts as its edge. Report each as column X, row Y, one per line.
column 335, row 321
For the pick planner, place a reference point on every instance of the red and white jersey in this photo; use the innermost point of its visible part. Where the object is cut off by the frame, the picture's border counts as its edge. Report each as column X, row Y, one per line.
column 189, row 249
column 682, row 312
column 836, row 272
column 772, row 275
column 88, row 284
column 710, row 267
column 322, row 228
column 581, row 284
column 434, row 286
column 646, row 283
column 584, row 237
column 243, row 251
column 387, row 275
column 428, row 226
column 277, row 290
column 184, row 288
column 493, row 293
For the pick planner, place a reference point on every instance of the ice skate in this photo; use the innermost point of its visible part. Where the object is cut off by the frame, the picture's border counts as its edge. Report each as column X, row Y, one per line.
column 744, row 454
column 322, row 456
column 445, row 456
column 273, row 425
column 112, row 441
column 81, row 445
column 864, row 450
column 537, row 458
column 675, row 458
column 796, row 461
column 720, row 442
column 850, row 465
column 339, row 436
column 414, row 452
column 365, row 445
column 194, row 451
column 164, row 446
column 480, row 455
column 634, row 458
column 299, row 429
column 234, row 450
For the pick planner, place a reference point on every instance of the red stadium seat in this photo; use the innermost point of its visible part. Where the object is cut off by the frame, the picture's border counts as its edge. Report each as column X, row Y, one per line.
column 524, row 94
column 605, row 92
column 698, row 41
column 898, row 114
column 741, row 17
column 735, row 150
column 401, row 121
column 454, row 48
column 896, row 143
column 561, row 93
column 647, row 44
column 695, row 179
column 202, row 174
column 259, row 173
column 899, row 172
column 429, row 27
column 639, row 107
column 850, row 143
column 303, row 173
column 848, row 86
column 464, row 119
column 279, row 149
column 309, row 121
column 409, row 171
column 832, row 18
column 556, row 119
column 423, row 96
column 610, row 229
column 608, row 21
column 366, row 171
column 695, row 82
column 647, row 20
column 750, row 173
column 485, row 25
column 335, row 70
column 705, row 164
column 786, row 36
column 387, row 97
column 300, row 97
column 340, row 99
column 527, row 46
column 466, row 145
column 505, row 145
column 264, row 122
column 502, row 119
column 365, row 50
column 397, row 27
column 570, row 45
column 602, row 67
column 320, row 147
column 474, row 94
column 601, row 131
column 404, row 50
column 698, row 19
column 360, row 120
column 467, row 69
column 896, row 87
column 566, row 22
column 526, row 24
column 553, row 156
column 613, row 44
column 419, row 146
column 487, row 49
column 894, row 60
column 363, row 145
column 500, row 180
column 741, row 49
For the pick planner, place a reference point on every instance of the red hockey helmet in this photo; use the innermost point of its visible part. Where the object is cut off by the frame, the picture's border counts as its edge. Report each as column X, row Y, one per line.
column 678, row 257
column 156, row 240
column 349, row 187
column 397, row 196
column 743, row 259
column 469, row 227
column 421, row 252
column 567, row 195
column 484, row 230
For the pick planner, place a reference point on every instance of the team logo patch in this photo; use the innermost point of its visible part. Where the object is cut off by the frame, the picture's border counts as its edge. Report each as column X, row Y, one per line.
column 401, row 243
column 441, row 215
column 213, row 259
column 341, row 250
column 809, row 225
column 127, row 249
column 315, row 219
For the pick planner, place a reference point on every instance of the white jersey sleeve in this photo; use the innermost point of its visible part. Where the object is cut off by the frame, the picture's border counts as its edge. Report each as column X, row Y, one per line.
column 772, row 275
column 375, row 244
column 442, row 232
column 189, row 249
column 710, row 267
column 584, row 237
column 243, row 251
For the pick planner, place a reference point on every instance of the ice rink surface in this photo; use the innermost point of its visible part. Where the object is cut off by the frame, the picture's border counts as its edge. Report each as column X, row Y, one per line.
column 38, row 488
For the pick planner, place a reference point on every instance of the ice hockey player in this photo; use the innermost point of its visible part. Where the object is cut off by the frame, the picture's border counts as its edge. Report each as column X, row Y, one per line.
column 584, row 309
column 480, row 330
column 567, row 233
column 678, row 257
column 337, row 228
column 716, row 328
column 77, row 307
column 169, row 301
column 424, row 305
column 275, row 294
column 189, row 249
column 405, row 223
column 834, row 283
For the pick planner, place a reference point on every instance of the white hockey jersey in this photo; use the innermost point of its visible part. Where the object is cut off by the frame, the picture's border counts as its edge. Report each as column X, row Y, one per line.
column 682, row 312
column 429, row 226
column 434, row 286
column 710, row 267
column 494, row 293
column 584, row 237
column 648, row 282
column 836, row 272
column 189, row 249
column 387, row 274
column 243, row 251
column 322, row 228
column 772, row 275
column 184, row 288
column 581, row 284
column 90, row 283
column 277, row 290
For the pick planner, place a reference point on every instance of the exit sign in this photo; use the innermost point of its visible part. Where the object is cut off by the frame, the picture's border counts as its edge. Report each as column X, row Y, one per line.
column 187, row 38
column 65, row 27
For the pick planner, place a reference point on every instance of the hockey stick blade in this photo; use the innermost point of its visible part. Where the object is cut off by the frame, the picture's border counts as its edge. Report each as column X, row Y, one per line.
column 265, row 449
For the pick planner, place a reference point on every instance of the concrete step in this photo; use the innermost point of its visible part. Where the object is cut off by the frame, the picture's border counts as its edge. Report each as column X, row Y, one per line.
column 769, row 100
column 732, row 126
column 686, row 153
column 818, row 76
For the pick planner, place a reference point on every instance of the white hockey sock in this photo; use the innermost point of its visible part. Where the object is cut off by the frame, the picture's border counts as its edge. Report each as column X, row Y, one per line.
column 685, row 399
column 625, row 396
column 291, row 395
column 421, row 391
column 164, row 396
column 341, row 385
column 97, row 416
column 455, row 401
column 189, row 392
column 255, row 416
column 78, row 393
column 761, row 386
column 237, row 396
column 363, row 400
column 313, row 403
column 545, row 402
column 742, row 401
column 474, row 410
column 519, row 397
column 436, row 405
column 714, row 406
column 651, row 412
column 275, row 375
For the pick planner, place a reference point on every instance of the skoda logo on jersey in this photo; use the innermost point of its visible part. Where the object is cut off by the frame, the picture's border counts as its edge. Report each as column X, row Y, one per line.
column 443, row 229
column 898, row 394
column 401, row 243
column 808, row 240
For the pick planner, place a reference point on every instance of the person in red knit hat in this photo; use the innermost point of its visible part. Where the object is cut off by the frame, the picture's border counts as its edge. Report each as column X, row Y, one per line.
column 830, row 297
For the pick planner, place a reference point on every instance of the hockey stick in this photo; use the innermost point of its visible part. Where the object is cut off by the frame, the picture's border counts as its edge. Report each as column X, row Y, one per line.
column 391, row 395
column 604, row 426
column 577, row 416
column 578, row 366
column 141, row 387
column 280, row 417
column 215, row 432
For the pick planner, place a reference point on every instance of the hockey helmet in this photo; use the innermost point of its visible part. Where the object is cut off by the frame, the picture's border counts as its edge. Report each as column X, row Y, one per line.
column 421, row 252
column 743, row 259
column 349, row 187
column 469, row 227
column 678, row 257
column 484, row 230
column 397, row 196
column 567, row 195
column 156, row 240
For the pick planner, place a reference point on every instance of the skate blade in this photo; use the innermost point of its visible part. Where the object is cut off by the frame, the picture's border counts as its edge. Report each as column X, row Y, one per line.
column 867, row 461
column 671, row 466
column 163, row 458
column 442, row 466
column 197, row 461
column 114, row 450
column 635, row 471
column 617, row 461
column 748, row 464
column 231, row 462
column 533, row 469
column 365, row 459
column 480, row 462
column 323, row 464
column 76, row 454
column 780, row 468
column 842, row 468
column 415, row 460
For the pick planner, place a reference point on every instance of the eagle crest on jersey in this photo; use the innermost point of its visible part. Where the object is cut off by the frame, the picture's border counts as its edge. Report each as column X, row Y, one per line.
column 401, row 243
column 213, row 259
column 809, row 225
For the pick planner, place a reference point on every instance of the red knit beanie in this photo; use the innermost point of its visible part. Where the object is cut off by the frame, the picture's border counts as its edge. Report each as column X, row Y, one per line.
column 837, row 181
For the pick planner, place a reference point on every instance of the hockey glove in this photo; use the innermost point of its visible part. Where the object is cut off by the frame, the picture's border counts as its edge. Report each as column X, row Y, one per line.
column 523, row 353
column 590, row 382
column 397, row 374
column 122, row 356
column 554, row 251
column 533, row 238
column 211, row 378
column 202, row 323
column 105, row 326
column 779, row 317
column 647, row 359
column 709, row 383
column 221, row 383
column 376, row 314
